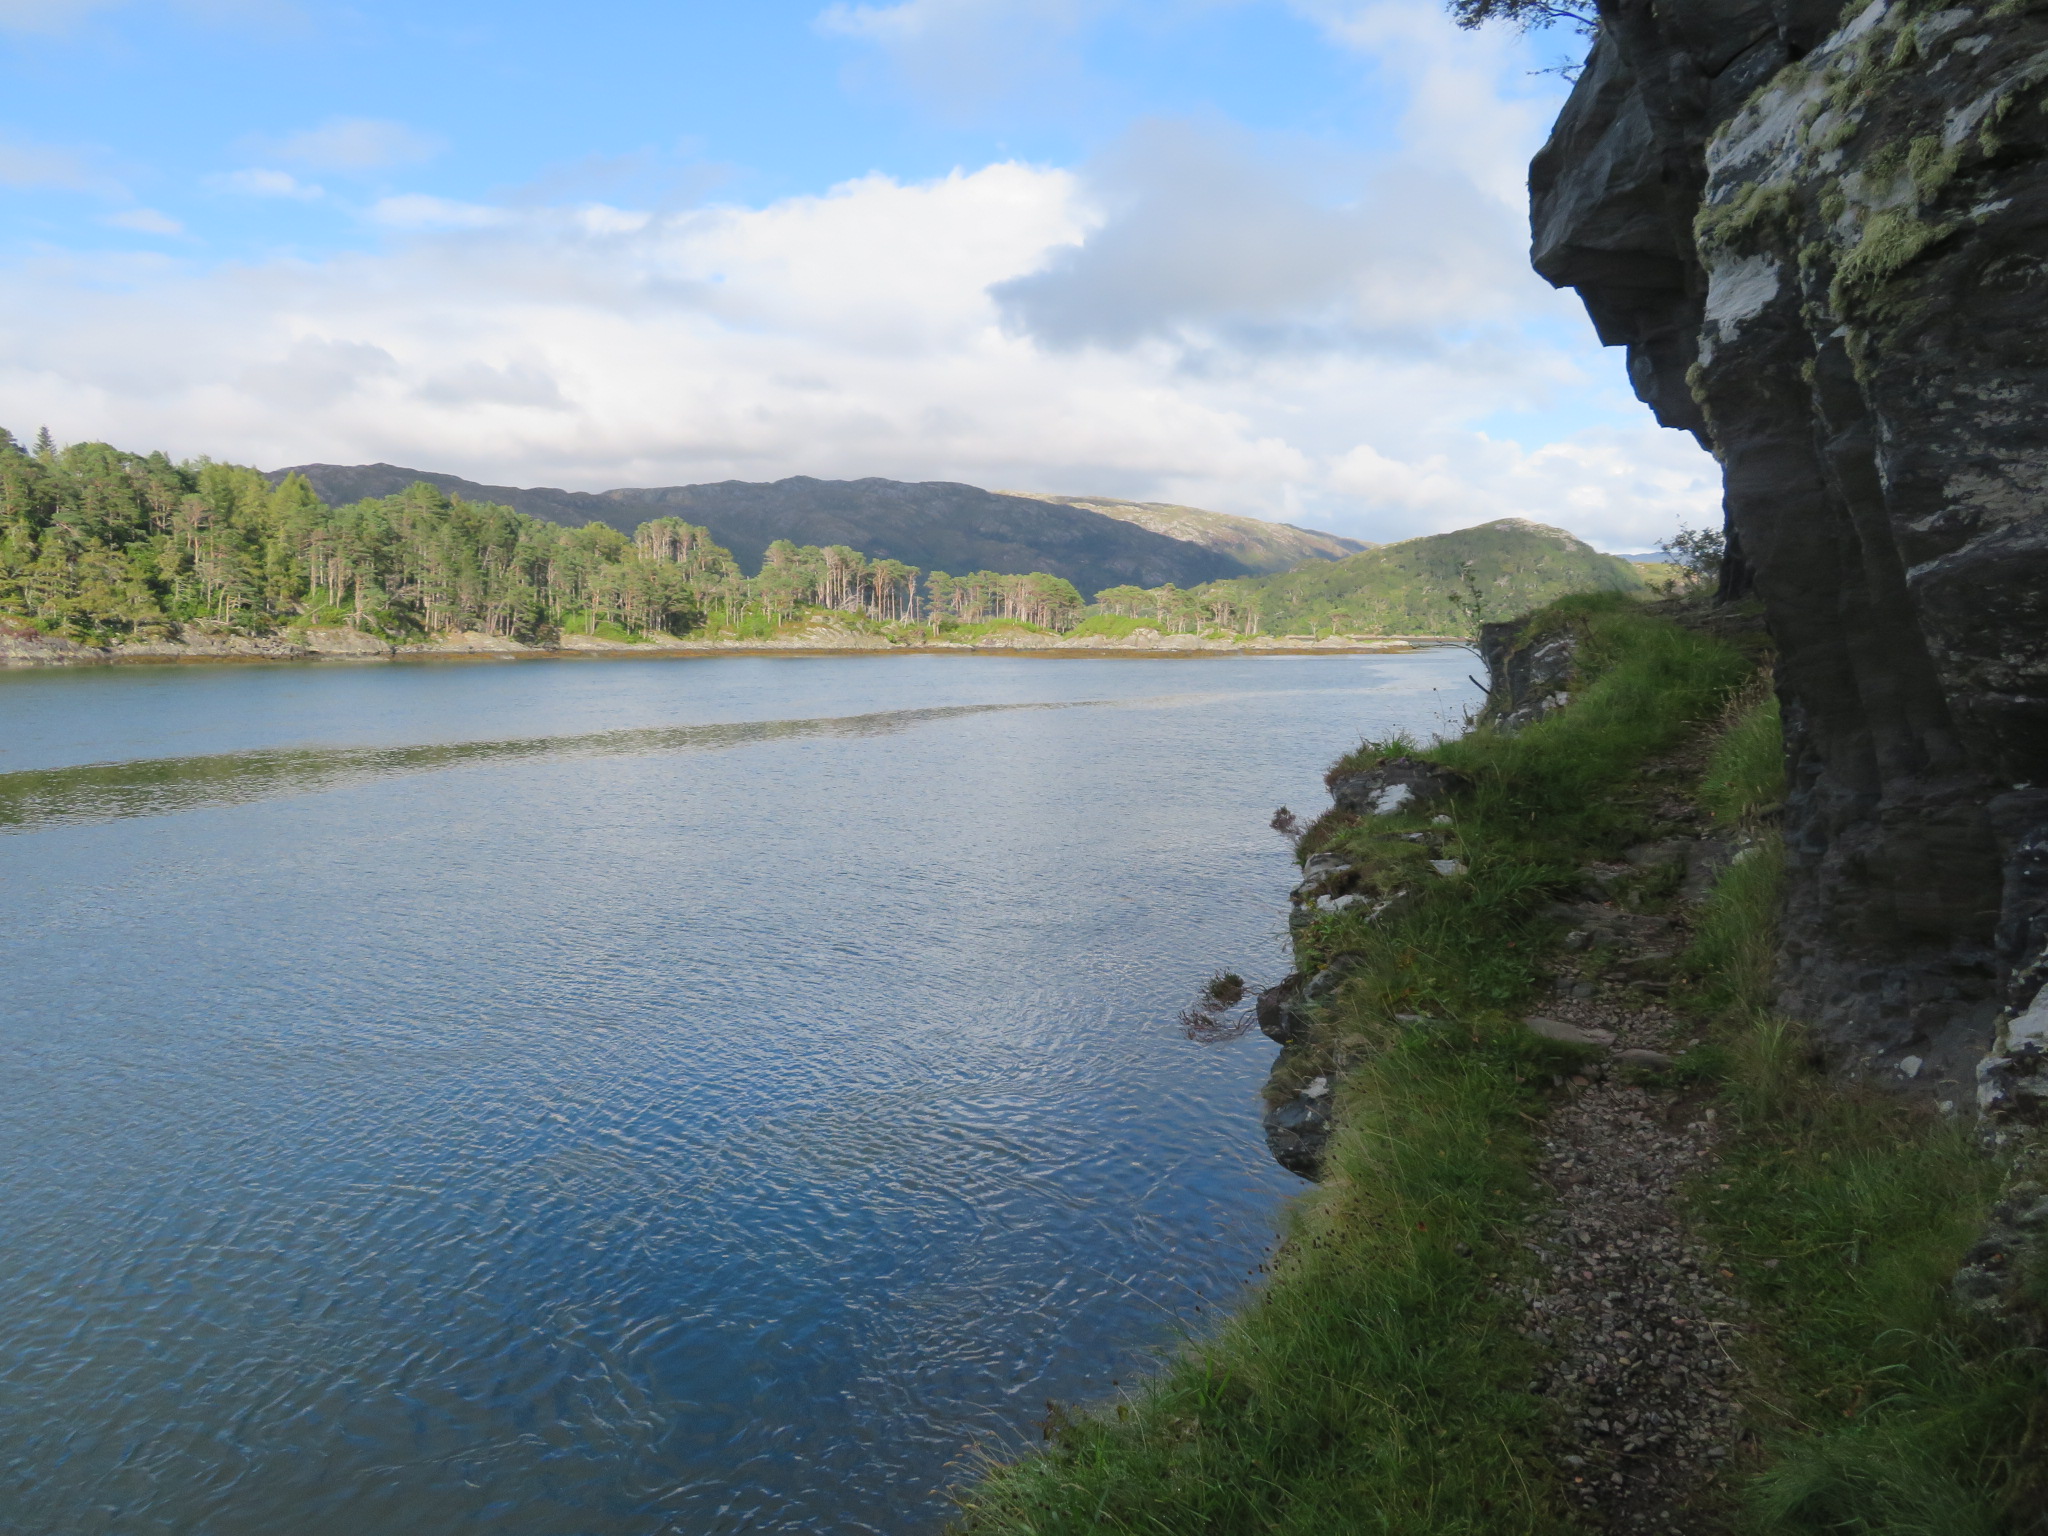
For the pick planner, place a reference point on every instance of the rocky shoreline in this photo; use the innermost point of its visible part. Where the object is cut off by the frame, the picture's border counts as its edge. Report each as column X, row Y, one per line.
column 22, row 647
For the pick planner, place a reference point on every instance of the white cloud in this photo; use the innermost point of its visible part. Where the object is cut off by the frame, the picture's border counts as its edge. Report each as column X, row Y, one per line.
column 841, row 335
column 265, row 183
column 1621, row 487
column 350, row 144
column 415, row 210
column 1202, row 237
column 144, row 221
column 1187, row 319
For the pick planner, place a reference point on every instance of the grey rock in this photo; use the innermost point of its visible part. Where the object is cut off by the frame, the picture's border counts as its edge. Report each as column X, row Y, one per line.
column 1529, row 672
column 1321, row 866
column 1861, row 345
column 1282, row 1013
column 1567, row 1034
column 1655, row 1061
column 2004, row 1272
column 1400, row 783
column 1298, row 1133
column 2012, row 1080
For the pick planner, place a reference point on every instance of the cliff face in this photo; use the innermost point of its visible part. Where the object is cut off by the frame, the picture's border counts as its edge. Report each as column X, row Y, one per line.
column 1822, row 234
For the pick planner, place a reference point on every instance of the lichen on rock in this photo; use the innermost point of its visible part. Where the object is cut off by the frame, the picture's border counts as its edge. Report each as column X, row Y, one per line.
column 1822, row 235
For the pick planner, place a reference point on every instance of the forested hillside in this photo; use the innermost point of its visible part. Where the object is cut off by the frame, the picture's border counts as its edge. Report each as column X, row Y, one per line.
column 1446, row 583
column 98, row 543
column 933, row 524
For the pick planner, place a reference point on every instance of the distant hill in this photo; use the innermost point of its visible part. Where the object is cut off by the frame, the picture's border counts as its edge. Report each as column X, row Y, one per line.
column 1415, row 587
column 934, row 525
column 1261, row 547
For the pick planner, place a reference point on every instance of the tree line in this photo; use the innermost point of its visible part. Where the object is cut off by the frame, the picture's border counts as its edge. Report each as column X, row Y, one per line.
column 96, row 542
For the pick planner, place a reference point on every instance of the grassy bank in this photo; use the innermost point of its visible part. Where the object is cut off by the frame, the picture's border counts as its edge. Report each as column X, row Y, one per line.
column 1375, row 1383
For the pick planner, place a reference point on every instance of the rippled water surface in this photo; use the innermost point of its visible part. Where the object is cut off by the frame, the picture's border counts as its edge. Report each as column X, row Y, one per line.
column 579, row 1099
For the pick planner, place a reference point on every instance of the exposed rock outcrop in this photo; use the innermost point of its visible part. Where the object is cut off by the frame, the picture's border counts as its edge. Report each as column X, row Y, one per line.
column 1396, row 784
column 1528, row 670
column 1822, row 235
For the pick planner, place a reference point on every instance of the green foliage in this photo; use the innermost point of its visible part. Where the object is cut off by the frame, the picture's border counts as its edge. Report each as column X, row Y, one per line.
column 1570, row 778
column 1696, row 552
column 1445, row 584
column 1110, row 626
column 100, row 544
column 1746, row 774
column 1048, row 602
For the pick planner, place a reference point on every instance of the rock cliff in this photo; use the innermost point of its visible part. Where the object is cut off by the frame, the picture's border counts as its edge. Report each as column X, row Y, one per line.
column 1822, row 235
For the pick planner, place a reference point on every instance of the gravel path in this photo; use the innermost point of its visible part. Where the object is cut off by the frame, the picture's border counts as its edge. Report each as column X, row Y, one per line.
column 1643, row 1377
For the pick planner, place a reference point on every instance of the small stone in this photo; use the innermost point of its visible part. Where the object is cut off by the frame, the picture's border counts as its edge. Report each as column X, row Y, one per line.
column 1567, row 1034
column 1909, row 1066
column 1655, row 1061
column 1447, row 867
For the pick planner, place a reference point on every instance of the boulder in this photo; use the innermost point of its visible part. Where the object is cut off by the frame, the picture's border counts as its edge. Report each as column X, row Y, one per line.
column 1528, row 672
column 1298, row 1131
column 2012, row 1080
column 1282, row 1012
column 1400, row 783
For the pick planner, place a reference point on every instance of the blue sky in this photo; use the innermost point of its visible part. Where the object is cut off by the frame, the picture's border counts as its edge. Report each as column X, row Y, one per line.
column 1262, row 256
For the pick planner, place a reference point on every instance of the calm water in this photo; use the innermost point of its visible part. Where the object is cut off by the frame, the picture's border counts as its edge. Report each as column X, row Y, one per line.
column 579, row 1099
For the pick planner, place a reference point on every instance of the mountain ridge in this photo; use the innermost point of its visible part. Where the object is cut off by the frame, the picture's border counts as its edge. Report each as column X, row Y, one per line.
column 934, row 525
column 1263, row 547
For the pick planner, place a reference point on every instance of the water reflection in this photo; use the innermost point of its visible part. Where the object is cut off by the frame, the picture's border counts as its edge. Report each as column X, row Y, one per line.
column 664, row 1124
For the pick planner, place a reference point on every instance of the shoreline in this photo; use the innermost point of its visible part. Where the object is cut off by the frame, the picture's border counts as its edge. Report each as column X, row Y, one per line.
column 22, row 649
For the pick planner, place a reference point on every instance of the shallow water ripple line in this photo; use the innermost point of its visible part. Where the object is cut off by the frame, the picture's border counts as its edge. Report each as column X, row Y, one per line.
column 98, row 792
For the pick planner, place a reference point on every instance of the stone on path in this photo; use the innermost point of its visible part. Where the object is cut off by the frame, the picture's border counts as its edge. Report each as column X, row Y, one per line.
column 1568, row 1034
column 1656, row 1061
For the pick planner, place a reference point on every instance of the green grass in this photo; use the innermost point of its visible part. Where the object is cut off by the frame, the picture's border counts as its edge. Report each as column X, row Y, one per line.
column 984, row 629
column 1374, row 1383
column 1112, row 626
column 1842, row 1214
column 1745, row 777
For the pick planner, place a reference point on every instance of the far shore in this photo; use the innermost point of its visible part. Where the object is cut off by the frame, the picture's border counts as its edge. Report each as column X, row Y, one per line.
column 20, row 647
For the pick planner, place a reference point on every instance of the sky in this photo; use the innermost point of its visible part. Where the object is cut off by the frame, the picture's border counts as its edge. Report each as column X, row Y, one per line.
column 1264, row 256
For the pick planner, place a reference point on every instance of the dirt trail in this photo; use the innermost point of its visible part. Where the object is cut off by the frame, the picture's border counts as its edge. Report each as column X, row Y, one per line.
column 1643, row 1376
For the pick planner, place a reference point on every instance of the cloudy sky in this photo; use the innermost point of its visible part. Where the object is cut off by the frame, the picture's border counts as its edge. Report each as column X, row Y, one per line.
column 1266, row 256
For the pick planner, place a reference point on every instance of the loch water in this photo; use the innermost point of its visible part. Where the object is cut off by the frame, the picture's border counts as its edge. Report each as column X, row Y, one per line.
column 605, row 1098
